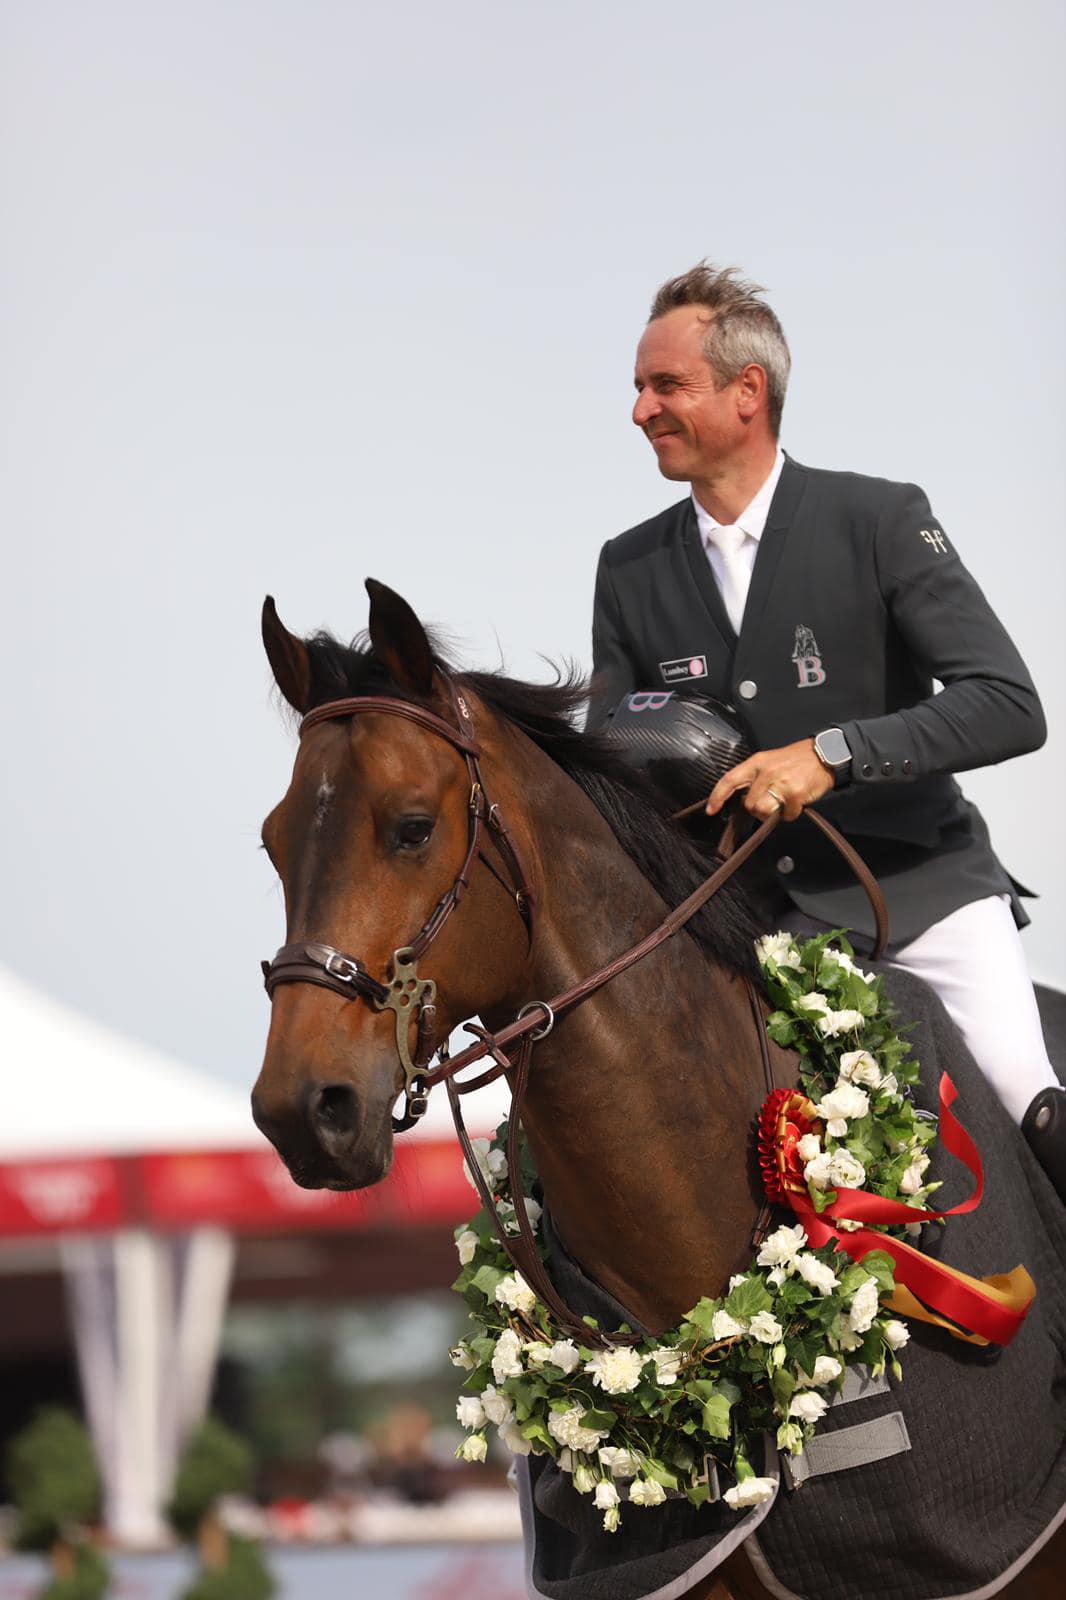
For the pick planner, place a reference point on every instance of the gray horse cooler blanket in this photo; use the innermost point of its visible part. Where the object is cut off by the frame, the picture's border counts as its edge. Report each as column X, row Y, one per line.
column 970, row 1475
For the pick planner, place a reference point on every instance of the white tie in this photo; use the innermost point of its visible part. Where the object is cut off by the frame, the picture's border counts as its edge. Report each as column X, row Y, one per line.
column 730, row 541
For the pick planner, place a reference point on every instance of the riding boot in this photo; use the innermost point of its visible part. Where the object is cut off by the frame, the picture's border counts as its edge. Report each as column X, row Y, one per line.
column 1044, row 1126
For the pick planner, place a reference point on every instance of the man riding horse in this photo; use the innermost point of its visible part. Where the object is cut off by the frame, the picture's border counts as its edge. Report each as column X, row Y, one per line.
column 825, row 604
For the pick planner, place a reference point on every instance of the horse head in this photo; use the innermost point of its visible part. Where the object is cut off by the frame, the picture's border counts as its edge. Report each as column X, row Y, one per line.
column 380, row 828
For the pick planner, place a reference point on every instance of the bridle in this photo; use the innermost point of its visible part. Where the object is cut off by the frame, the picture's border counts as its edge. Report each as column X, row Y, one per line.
column 412, row 998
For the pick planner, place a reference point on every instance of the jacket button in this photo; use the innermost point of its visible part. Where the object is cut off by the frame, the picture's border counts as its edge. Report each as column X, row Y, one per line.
column 785, row 864
column 867, row 770
column 886, row 768
column 905, row 766
column 747, row 690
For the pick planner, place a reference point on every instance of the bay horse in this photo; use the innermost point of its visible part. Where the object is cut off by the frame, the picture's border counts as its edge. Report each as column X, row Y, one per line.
column 641, row 1101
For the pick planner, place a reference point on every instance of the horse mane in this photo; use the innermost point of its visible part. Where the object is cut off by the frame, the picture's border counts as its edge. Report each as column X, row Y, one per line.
column 637, row 813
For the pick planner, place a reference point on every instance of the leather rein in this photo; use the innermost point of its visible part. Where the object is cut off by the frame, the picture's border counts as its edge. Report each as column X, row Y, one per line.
column 412, row 998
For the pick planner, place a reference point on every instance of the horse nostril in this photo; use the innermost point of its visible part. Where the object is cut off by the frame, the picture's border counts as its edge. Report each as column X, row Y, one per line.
column 334, row 1113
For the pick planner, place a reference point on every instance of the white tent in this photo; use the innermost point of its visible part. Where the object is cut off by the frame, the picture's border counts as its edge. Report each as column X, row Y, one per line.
column 146, row 1305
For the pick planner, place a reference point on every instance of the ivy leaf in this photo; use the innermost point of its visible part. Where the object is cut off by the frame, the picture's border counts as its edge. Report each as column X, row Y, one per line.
column 748, row 1299
column 486, row 1278
column 880, row 1265
column 600, row 1420
column 701, row 1316
column 716, row 1416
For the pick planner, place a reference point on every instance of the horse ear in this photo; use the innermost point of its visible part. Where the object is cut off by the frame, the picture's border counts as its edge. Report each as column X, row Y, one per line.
column 288, row 658
column 399, row 639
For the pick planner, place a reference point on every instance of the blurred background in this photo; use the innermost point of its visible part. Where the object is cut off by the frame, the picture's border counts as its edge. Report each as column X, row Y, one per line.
column 293, row 294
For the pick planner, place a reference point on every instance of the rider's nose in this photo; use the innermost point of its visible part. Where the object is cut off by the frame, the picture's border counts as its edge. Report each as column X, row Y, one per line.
column 644, row 408
column 334, row 1114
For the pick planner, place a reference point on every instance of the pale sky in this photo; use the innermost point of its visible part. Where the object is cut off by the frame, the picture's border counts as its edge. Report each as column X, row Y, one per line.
column 295, row 293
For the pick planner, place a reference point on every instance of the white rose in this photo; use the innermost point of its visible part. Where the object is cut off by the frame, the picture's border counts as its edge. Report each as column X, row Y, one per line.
column 845, row 1102
column 473, row 1448
column 766, row 1328
column 736, row 1279
column 844, row 961
column 566, row 1426
column 808, row 1147
column 782, row 1246
column 564, row 1354
column 896, row 1334
column 889, row 1085
column 816, row 1172
column 845, row 1172
column 826, row 1370
column 497, row 1406
column 505, row 1357
column 815, row 1002
column 667, row 1365
column 911, row 1180
column 859, row 1066
column 778, row 948
column 466, row 1244
column 723, row 1326
column 808, row 1406
column 863, row 1308
column 838, row 1022
column 585, row 1480
column 646, row 1492
column 619, row 1463
column 493, row 1163
column 610, row 1519
column 470, row 1412
column 615, row 1371
column 816, row 1273
column 460, row 1356
column 513, row 1438
column 514, row 1292
column 751, row 1492
column 606, row 1495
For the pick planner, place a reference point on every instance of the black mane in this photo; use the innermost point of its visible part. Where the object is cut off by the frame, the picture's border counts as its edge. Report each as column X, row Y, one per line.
column 638, row 814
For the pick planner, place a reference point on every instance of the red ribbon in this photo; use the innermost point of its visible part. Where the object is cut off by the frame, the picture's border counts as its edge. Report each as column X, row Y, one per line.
column 993, row 1311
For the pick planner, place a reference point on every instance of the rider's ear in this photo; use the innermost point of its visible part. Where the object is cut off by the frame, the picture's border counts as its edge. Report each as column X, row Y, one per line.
column 288, row 659
column 399, row 639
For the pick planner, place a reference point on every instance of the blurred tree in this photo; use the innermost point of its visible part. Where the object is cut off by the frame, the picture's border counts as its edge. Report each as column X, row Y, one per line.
column 217, row 1462
column 56, row 1490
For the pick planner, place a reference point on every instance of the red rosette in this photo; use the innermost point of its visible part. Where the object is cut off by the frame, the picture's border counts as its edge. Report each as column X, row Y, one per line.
column 786, row 1116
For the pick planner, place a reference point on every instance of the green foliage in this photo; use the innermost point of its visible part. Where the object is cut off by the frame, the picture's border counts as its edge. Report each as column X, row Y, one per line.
column 90, row 1579
column 54, row 1482
column 216, row 1462
column 246, row 1576
column 763, row 1355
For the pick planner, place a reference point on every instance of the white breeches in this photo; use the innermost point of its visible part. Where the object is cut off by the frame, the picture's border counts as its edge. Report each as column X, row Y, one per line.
column 974, row 961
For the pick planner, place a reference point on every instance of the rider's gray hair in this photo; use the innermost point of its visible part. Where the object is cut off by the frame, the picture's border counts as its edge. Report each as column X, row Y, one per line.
column 742, row 328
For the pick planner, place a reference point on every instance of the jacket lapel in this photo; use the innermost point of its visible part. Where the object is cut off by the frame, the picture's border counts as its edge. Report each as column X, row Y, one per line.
column 783, row 507
column 703, row 578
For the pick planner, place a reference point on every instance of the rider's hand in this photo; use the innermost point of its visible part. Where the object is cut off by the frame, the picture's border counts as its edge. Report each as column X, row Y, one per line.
column 787, row 780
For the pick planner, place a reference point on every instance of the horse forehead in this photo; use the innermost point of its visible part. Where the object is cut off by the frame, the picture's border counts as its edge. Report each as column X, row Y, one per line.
column 381, row 750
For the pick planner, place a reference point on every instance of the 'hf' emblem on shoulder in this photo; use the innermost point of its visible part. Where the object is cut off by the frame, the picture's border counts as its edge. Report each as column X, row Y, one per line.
column 934, row 537
column 808, row 658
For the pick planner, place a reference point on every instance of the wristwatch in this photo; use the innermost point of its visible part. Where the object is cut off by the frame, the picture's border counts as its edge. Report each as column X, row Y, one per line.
column 834, row 752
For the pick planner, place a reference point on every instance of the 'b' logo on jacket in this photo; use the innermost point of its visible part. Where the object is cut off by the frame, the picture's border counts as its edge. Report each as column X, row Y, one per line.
column 808, row 658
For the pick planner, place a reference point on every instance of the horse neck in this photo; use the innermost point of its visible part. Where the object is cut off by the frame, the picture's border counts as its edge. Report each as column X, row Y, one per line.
column 640, row 1104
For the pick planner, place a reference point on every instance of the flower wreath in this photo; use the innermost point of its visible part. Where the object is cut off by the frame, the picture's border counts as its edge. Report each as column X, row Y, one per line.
column 662, row 1417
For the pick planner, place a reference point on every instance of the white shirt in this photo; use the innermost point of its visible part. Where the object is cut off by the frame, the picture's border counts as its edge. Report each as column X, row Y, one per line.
column 752, row 519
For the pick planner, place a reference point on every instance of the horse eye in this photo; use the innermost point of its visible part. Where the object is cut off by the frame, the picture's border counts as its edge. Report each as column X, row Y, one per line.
column 413, row 832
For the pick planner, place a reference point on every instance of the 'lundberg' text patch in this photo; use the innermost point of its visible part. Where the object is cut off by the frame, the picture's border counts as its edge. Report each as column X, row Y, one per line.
column 684, row 668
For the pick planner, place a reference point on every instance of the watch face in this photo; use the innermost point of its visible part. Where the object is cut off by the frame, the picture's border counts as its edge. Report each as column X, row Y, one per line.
column 833, row 748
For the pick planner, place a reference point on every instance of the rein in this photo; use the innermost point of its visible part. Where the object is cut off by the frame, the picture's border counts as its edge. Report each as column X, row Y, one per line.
column 412, row 998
